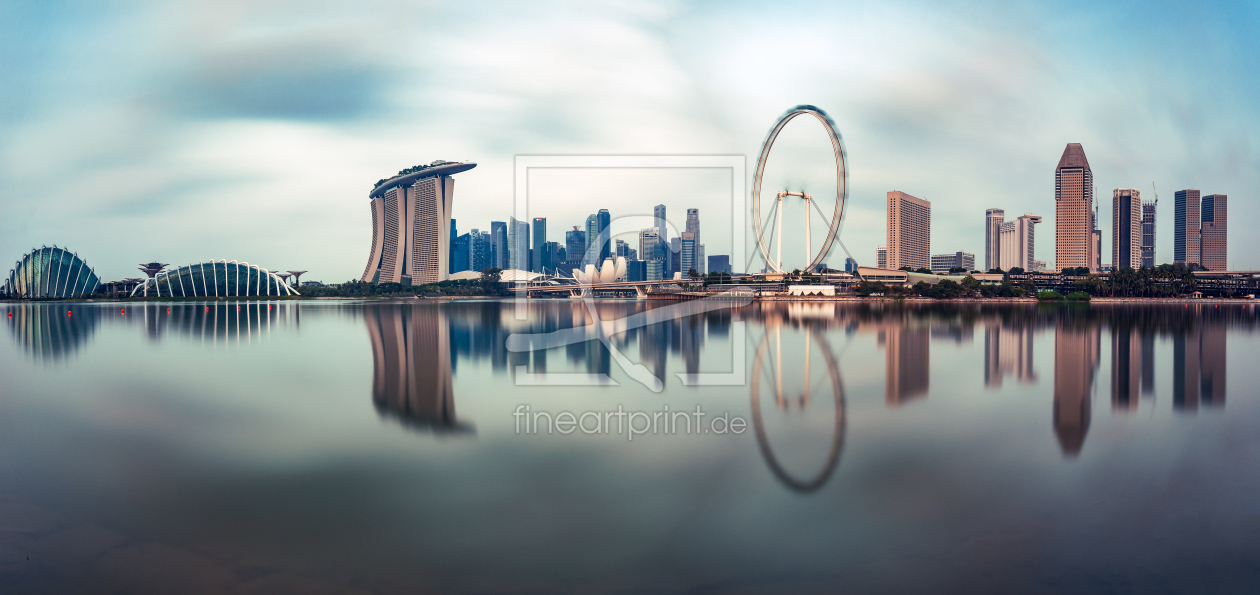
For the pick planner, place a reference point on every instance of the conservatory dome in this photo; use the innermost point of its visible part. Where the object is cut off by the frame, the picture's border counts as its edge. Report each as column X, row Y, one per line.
column 216, row 278
column 51, row 273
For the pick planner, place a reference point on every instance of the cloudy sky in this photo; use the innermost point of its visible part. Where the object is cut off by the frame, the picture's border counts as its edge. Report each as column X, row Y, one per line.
column 253, row 130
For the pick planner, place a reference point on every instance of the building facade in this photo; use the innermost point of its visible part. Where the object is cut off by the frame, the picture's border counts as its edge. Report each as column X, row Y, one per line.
column 50, row 273
column 1214, row 233
column 1148, row 233
column 942, row 263
column 720, row 263
column 1018, row 242
column 1186, row 227
column 539, row 258
column 411, row 223
column 1073, row 210
column 909, row 231
column 1126, row 228
column 881, row 257
column 499, row 245
column 993, row 220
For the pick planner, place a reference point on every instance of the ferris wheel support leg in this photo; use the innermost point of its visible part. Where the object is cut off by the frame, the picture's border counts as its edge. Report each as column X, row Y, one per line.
column 809, row 255
column 778, row 253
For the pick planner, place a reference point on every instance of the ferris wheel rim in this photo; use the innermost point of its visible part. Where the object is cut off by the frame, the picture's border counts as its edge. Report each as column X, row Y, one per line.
column 842, row 179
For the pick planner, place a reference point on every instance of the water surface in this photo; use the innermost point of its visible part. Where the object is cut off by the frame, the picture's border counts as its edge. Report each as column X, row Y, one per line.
column 312, row 447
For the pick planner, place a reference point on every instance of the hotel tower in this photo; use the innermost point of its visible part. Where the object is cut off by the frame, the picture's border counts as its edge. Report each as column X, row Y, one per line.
column 411, row 225
column 1073, row 210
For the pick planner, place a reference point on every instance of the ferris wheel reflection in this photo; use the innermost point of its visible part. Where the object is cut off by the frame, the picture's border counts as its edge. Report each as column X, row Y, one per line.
column 793, row 381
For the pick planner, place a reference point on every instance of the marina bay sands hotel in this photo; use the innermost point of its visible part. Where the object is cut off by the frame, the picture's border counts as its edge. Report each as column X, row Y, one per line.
column 411, row 224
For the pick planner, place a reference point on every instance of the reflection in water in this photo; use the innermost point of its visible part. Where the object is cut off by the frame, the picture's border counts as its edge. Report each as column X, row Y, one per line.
column 906, row 374
column 1199, row 367
column 1075, row 361
column 1008, row 350
column 51, row 332
column 775, row 377
column 411, row 365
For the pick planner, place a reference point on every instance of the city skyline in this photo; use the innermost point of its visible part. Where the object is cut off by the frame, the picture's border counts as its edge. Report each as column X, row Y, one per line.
column 966, row 117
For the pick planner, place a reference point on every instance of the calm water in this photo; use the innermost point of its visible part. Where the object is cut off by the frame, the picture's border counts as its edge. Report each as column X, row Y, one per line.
column 343, row 447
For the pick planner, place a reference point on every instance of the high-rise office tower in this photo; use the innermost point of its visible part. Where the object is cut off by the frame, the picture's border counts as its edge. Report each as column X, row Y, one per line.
column 518, row 239
column 450, row 253
column 411, row 225
column 881, row 257
column 574, row 243
column 1018, row 242
column 1186, row 226
column 993, row 219
column 693, row 223
column 592, row 237
column 909, row 231
column 1073, row 210
column 702, row 265
column 539, row 244
column 1126, row 228
column 1213, row 253
column 1148, row 233
column 647, row 240
column 603, row 219
column 675, row 256
column 658, row 213
column 850, row 265
column 687, row 259
column 499, row 245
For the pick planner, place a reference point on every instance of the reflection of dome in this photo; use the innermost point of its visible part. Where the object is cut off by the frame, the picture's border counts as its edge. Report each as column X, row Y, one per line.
column 51, row 273
column 222, row 278
column 52, row 331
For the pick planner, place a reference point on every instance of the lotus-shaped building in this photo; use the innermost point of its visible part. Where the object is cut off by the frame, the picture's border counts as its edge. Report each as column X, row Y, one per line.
column 216, row 278
column 51, row 273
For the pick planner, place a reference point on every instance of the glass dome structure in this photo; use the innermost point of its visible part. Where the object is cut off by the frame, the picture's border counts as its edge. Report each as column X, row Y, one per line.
column 217, row 278
column 51, row 273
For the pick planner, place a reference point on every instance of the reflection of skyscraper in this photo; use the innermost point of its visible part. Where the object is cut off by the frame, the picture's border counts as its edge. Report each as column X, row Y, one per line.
column 1075, row 359
column 1186, row 370
column 1126, row 367
column 906, row 370
column 411, row 365
column 1008, row 350
column 1199, row 368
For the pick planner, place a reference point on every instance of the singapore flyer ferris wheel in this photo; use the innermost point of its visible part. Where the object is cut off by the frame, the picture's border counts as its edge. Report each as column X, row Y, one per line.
column 769, row 230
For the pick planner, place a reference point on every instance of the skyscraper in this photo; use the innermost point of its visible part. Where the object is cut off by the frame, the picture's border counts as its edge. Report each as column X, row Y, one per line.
column 451, row 252
column 1126, row 228
column 539, row 244
column 574, row 243
column 1148, row 233
column 1073, row 210
column 702, row 265
column 1186, row 226
column 411, row 214
column 658, row 213
column 499, row 250
column 592, row 237
column 1213, row 251
column 518, row 239
column 647, row 239
column 1018, row 242
column 687, row 260
column 993, row 219
column 881, row 257
column 603, row 219
column 909, row 231
column 693, row 223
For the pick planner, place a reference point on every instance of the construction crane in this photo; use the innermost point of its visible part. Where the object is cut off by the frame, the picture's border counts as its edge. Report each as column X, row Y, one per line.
column 1155, row 192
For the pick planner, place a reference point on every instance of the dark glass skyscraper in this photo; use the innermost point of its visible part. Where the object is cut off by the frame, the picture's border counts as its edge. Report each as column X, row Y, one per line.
column 1186, row 223
column 539, row 245
column 1148, row 234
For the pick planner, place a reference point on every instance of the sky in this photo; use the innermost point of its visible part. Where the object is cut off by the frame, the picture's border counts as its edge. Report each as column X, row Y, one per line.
column 254, row 130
